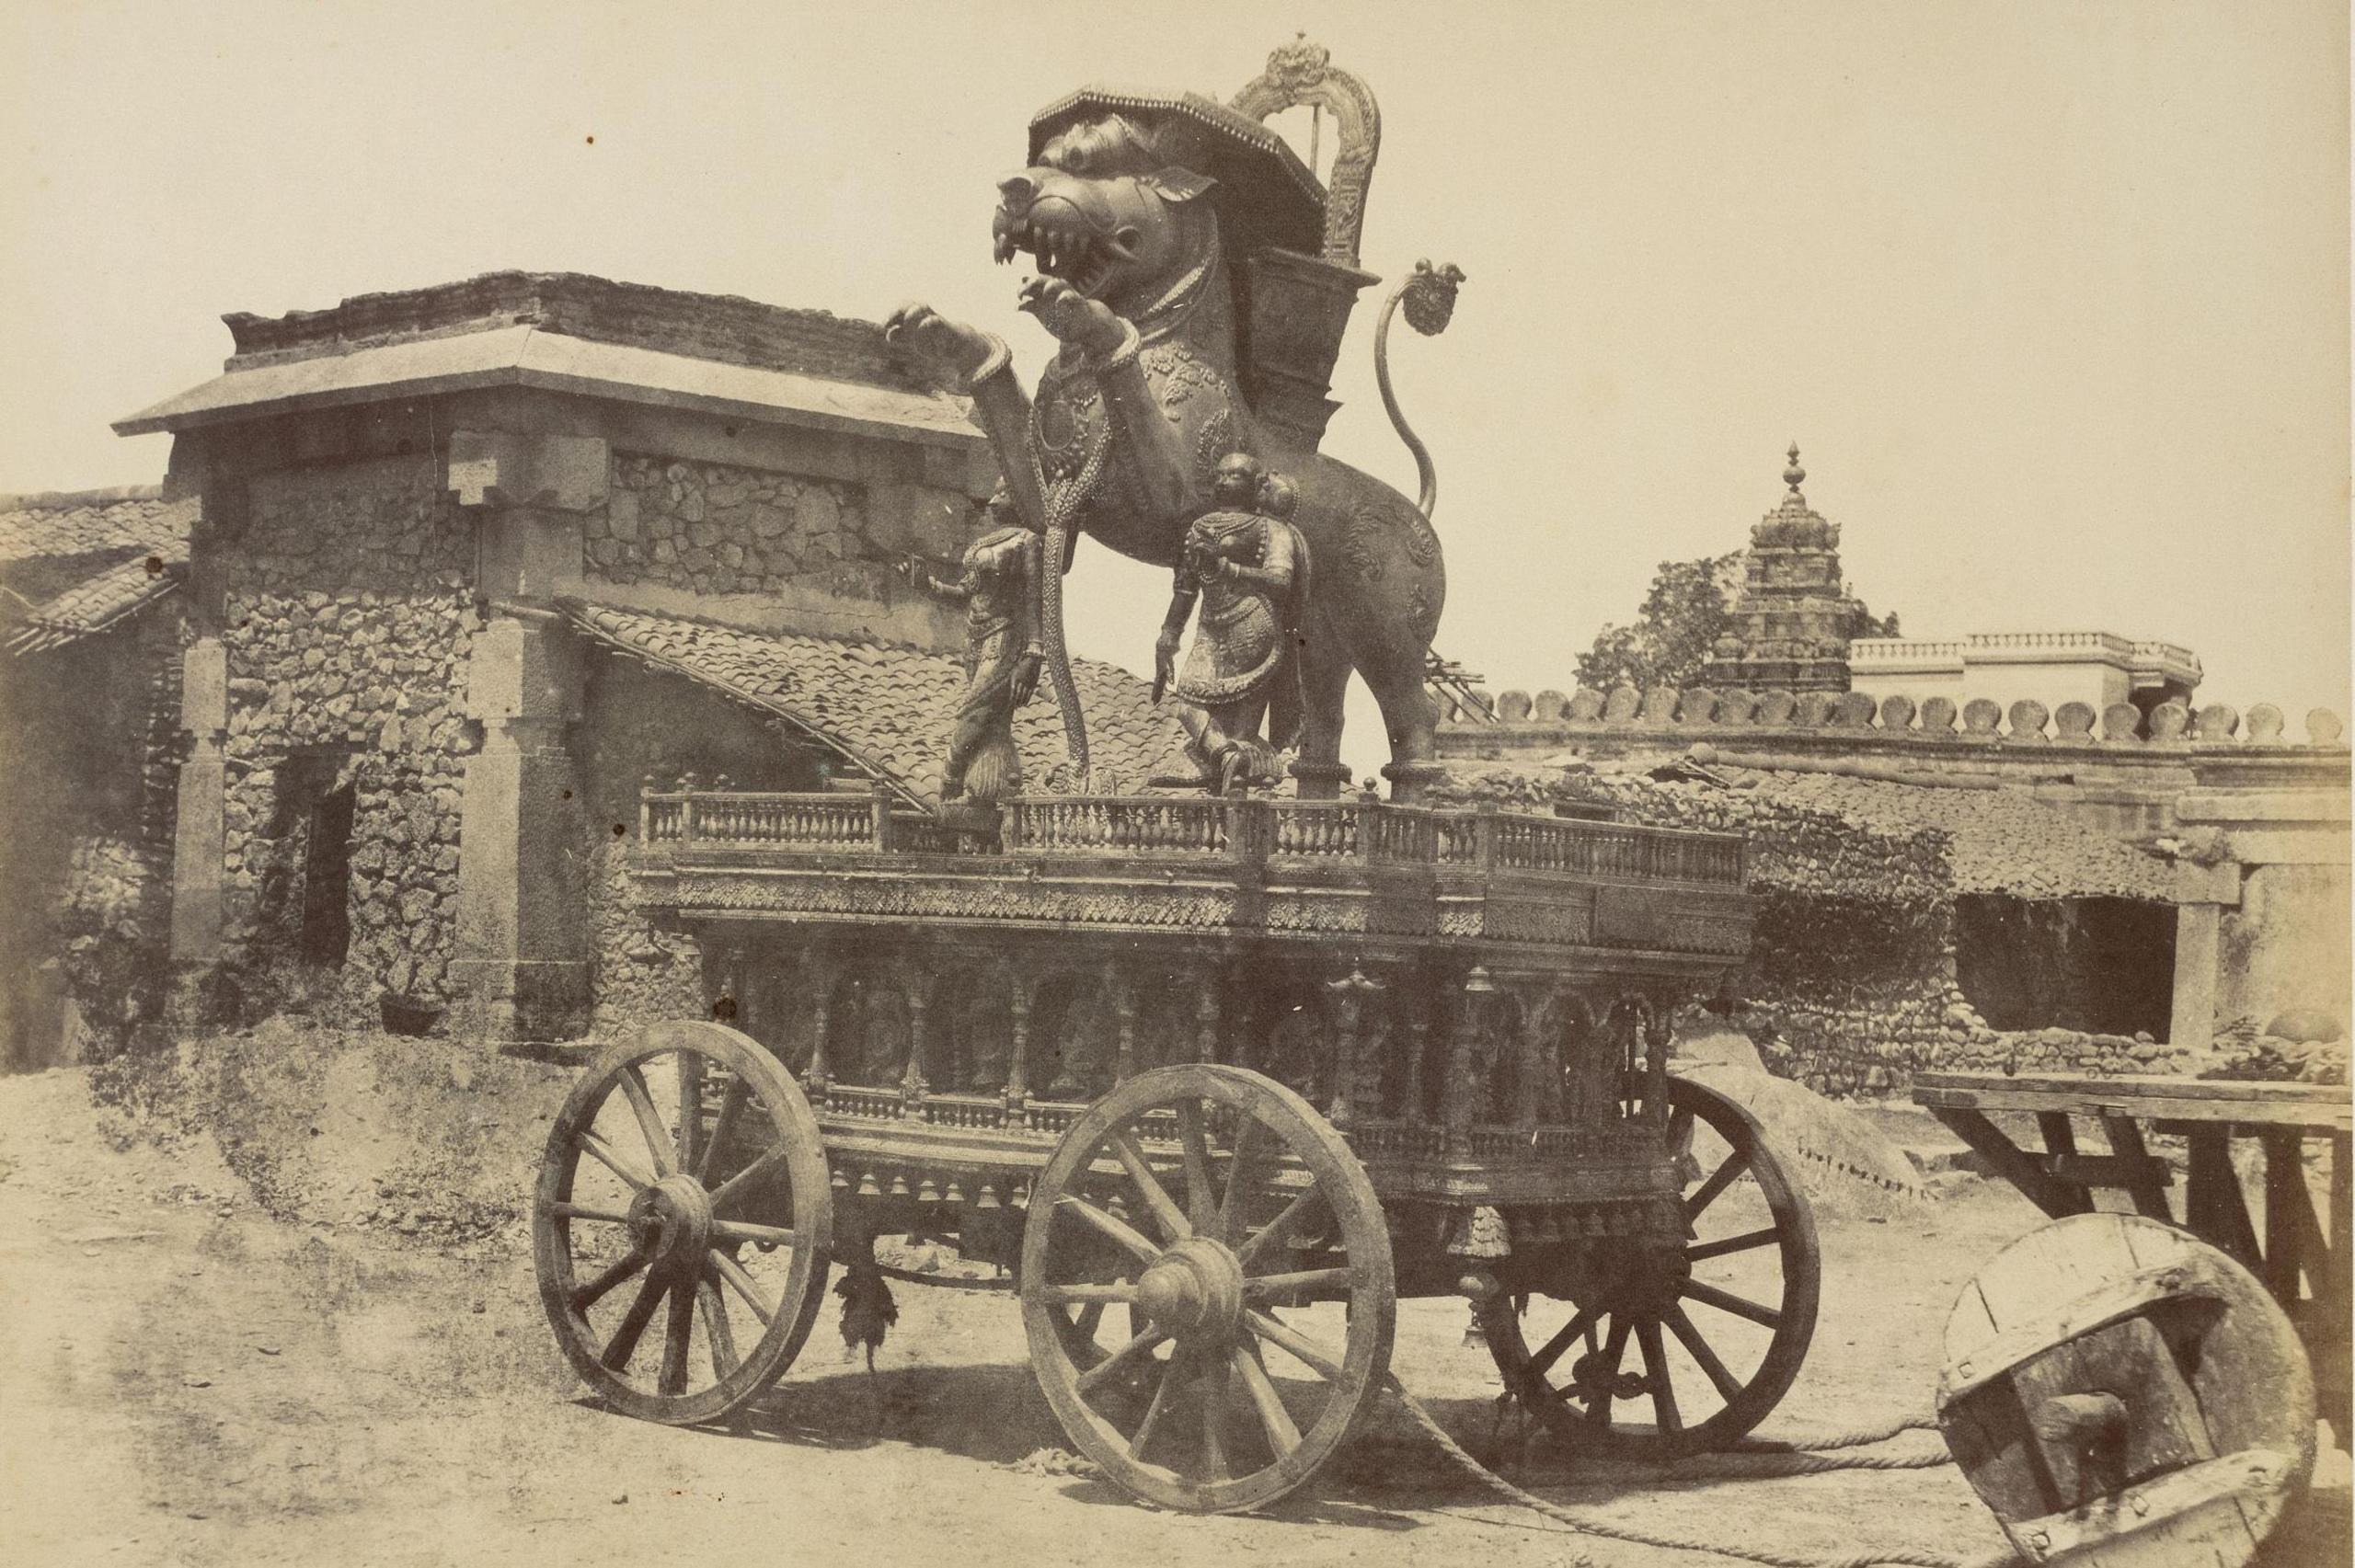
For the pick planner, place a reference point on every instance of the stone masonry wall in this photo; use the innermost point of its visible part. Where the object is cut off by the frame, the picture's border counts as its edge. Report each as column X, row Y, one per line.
column 348, row 623
column 714, row 528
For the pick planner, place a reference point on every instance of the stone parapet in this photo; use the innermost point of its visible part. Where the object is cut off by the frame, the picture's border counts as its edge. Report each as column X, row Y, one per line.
column 1518, row 722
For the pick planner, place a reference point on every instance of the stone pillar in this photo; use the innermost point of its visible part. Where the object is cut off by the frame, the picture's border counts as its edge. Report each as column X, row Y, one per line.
column 198, row 839
column 522, row 963
column 2191, row 1021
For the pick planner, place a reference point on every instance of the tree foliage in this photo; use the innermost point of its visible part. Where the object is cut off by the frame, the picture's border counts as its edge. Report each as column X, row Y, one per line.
column 1683, row 614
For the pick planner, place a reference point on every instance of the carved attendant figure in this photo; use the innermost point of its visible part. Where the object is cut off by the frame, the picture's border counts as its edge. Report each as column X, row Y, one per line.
column 1001, row 659
column 1249, row 573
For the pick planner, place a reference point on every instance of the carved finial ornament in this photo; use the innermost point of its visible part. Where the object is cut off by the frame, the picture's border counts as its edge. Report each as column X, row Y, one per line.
column 1794, row 475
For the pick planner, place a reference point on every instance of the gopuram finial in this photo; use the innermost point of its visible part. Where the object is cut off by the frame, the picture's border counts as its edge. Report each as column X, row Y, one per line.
column 1794, row 474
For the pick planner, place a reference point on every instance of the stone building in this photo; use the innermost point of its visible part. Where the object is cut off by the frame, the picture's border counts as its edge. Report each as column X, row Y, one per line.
column 474, row 562
column 89, row 635
column 2101, row 670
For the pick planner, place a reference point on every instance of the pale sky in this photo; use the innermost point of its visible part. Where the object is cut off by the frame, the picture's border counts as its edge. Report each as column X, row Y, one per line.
column 2052, row 296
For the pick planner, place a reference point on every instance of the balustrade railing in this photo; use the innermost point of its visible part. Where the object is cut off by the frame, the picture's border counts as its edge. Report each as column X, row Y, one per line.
column 1244, row 831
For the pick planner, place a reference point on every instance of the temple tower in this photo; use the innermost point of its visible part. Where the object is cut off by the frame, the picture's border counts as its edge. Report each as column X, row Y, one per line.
column 1790, row 623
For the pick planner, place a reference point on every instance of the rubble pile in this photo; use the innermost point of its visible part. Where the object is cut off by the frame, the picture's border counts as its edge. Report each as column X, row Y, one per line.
column 1851, row 984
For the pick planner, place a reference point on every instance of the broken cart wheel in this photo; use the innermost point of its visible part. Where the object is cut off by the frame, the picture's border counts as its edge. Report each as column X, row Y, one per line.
column 1718, row 1317
column 2117, row 1390
column 1243, row 1240
column 683, row 1180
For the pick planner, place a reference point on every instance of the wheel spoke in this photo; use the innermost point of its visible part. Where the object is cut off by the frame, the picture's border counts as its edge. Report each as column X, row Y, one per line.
column 676, row 1335
column 723, row 1127
column 715, row 1329
column 1748, row 1240
column 1202, row 1208
column 586, row 1296
column 582, row 1211
column 690, row 1107
column 649, row 1120
column 1143, row 1344
column 743, row 1231
column 1283, row 1437
column 1238, row 1180
column 1551, row 1351
column 1119, row 1230
column 1276, row 1230
column 1156, row 1196
column 1068, row 1295
column 734, row 1274
column 1720, row 1180
column 1215, row 1374
column 1293, row 1345
column 624, row 1345
column 1303, row 1280
column 1681, row 1326
column 1726, row 1301
column 770, row 1158
column 1663, row 1387
column 1155, row 1407
column 604, row 1155
column 1602, row 1396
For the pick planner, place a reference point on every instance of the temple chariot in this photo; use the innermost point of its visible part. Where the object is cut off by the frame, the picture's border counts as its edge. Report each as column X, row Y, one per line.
column 1206, row 1073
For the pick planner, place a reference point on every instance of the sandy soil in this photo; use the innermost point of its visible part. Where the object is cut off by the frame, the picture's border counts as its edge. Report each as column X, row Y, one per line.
column 353, row 1368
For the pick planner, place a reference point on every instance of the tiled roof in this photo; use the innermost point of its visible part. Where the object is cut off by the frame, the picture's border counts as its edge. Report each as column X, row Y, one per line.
column 96, row 556
column 133, row 519
column 96, row 603
column 886, row 706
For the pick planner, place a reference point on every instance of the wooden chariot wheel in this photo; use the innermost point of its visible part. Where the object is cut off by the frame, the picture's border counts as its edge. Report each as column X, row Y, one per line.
column 1719, row 1321
column 684, row 1170
column 1219, row 1237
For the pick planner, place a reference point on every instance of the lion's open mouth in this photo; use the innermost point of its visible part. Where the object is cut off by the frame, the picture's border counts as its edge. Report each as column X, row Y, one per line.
column 1067, row 250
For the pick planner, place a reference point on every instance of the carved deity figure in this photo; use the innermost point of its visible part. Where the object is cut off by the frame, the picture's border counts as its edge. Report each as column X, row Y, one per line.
column 1249, row 573
column 997, row 585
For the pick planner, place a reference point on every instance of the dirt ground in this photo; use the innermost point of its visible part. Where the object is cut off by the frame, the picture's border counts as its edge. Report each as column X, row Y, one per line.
column 274, row 1345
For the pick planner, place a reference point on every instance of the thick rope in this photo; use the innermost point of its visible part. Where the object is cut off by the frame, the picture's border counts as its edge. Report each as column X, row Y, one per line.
column 1587, row 1525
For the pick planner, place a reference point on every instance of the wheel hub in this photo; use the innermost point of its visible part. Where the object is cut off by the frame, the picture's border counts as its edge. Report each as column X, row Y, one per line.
column 671, row 1222
column 1194, row 1291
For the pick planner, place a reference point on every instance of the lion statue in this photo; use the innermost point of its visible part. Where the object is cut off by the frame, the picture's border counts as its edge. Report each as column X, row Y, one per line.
column 1134, row 211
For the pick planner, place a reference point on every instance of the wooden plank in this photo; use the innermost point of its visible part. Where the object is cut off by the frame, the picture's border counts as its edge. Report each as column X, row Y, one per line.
column 2108, row 1299
column 2059, row 1138
column 2198, row 1498
column 2218, row 1214
column 2014, row 1163
column 2125, row 1137
column 2289, row 1214
column 2124, row 1172
column 2144, row 1096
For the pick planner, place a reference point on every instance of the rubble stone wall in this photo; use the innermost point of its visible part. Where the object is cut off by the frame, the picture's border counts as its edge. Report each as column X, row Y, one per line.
column 348, row 623
column 714, row 528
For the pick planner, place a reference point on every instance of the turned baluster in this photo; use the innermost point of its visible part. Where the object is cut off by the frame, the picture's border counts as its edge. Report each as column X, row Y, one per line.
column 1124, row 1024
column 912, row 1084
column 1349, row 995
column 1460, row 1098
column 1017, row 1063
